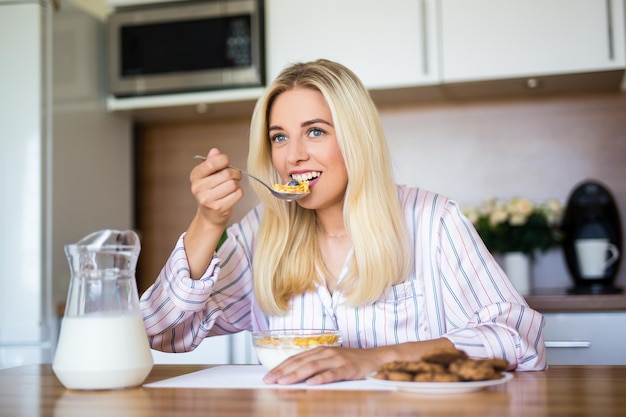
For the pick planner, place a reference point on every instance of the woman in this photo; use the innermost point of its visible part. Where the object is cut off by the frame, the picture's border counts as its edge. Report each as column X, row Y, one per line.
column 397, row 270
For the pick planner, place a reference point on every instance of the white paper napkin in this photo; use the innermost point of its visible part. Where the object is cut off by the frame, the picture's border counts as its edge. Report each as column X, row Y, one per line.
column 251, row 377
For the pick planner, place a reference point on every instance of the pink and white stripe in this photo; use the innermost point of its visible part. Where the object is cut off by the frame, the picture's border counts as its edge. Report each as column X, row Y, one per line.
column 457, row 290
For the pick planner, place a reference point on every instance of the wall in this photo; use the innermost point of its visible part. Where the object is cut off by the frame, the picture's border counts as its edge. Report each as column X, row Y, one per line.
column 538, row 148
column 92, row 181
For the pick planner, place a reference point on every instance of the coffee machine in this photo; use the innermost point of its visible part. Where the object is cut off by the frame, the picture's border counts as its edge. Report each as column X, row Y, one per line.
column 591, row 214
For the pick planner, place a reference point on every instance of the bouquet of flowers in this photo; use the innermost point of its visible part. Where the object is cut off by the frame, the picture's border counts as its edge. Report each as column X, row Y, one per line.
column 517, row 225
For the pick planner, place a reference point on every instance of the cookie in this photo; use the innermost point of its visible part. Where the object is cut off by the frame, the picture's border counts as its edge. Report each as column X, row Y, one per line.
column 443, row 365
column 436, row 377
column 405, row 366
column 444, row 356
column 498, row 365
column 428, row 368
column 473, row 370
column 395, row 376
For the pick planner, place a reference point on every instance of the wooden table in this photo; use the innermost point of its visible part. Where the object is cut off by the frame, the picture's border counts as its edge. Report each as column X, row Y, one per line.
column 560, row 391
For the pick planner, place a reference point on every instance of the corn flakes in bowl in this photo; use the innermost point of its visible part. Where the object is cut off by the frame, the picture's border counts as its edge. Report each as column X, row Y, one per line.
column 274, row 346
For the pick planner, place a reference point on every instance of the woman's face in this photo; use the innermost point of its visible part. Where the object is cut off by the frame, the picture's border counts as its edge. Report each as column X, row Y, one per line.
column 304, row 146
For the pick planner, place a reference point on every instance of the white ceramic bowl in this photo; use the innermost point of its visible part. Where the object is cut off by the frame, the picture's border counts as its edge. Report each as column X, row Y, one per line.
column 274, row 346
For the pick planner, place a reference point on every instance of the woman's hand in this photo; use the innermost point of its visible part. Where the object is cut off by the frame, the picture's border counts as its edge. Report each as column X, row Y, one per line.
column 324, row 364
column 329, row 364
column 216, row 190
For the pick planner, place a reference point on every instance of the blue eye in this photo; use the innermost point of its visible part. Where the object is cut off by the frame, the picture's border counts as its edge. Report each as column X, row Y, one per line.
column 316, row 132
column 278, row 138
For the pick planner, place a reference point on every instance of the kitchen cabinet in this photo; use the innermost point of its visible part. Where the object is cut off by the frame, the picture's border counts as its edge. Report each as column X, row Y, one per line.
column 24, row 135
column 215, row 350
column 497, row 39
column 586, row 338
column 419, row 50
column 386, row 44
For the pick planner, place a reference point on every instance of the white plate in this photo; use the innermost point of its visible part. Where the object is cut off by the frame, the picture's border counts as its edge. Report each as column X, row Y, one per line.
column 442, row 387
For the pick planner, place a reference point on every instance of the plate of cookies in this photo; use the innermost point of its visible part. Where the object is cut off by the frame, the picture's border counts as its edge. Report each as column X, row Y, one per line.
column 443, row 371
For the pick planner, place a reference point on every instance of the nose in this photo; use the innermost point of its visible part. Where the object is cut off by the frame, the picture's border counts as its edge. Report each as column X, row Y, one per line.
column 297, row 151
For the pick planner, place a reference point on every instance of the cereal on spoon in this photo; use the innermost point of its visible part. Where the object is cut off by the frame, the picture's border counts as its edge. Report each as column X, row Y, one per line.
column 293, row 187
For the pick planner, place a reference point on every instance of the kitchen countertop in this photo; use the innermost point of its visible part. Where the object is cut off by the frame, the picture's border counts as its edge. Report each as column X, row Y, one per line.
column 567, row 391
column 559, row 300
column 550, row 300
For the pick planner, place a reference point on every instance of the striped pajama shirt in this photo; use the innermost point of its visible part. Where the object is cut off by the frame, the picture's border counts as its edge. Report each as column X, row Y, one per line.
column 456, row 290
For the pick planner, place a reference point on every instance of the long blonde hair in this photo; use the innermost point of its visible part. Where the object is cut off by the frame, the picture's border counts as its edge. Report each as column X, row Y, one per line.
column 286, row 259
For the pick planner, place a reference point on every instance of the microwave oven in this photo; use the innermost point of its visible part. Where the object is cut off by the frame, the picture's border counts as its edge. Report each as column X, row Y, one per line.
column 186, row 46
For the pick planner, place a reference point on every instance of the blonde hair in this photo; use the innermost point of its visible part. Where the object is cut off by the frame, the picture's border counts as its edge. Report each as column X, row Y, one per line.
column 287, row 259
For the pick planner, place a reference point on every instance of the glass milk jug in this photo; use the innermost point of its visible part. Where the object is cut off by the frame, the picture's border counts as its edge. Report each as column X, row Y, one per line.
column 102, row 343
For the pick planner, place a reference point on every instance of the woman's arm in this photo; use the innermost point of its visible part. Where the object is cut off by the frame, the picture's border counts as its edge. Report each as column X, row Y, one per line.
column 216, row 190
column 484, row 314
column 179, row 312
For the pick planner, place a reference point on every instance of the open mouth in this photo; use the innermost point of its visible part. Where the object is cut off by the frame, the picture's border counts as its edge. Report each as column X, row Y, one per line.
column 306, row 176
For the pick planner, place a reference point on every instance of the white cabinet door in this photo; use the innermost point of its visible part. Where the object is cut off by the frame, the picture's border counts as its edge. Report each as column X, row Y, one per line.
column 23, row 140
column 590, row 338
column 215, row 350
column 494, row 39
column 387, row 44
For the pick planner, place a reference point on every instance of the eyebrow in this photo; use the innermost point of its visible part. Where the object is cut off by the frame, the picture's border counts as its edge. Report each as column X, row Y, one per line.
column 305, row 124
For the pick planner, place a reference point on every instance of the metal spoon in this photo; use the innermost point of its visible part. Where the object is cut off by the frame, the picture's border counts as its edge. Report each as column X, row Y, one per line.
column 278, row 194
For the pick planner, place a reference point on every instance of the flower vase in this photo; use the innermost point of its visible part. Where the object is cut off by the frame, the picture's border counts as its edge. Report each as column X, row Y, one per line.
column 517, row 268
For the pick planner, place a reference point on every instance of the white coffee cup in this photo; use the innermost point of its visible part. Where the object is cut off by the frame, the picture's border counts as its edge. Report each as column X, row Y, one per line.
column 592, row 256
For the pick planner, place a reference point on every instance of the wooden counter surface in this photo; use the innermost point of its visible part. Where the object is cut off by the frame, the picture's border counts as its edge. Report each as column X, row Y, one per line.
column 550, row 301
column 571, row 391
column 559, row 300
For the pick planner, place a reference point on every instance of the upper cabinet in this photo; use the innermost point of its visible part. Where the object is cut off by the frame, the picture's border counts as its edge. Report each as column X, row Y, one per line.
column 496, row 39
column 387, row 44
column 439, row 44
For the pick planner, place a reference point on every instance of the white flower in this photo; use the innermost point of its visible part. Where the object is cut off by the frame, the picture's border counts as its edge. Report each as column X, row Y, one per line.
column 491, row 205
column 498, row 216
column 519, row 210
column 518, row 219
column 553, row 211
column 472, row 214
column 503, row 225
